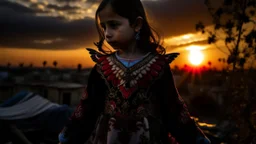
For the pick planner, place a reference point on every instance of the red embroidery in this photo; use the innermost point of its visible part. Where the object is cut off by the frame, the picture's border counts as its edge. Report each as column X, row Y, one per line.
column 154, row 73
column 107, row 72
column 113, row 105
column 105, row 67
column 102, row 58
column 156, row 67
column 85, row 94
column 140, row 77
column 127, row 91
column 111, row 77
column 77, row 113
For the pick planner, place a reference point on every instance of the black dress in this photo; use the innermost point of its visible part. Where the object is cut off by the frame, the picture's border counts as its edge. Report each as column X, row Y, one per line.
column 136, row 105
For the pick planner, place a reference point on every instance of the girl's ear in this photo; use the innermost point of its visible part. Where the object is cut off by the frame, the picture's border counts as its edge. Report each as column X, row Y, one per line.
column 138, row 24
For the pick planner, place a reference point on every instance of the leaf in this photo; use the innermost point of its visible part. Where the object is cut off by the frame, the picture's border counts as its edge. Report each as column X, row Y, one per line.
column 229, row 24
column 200, row 26
column 211, row 39
column 246, row 18
column 242, row 62
column 249, row 38
column 217, row 26
column 229, row 39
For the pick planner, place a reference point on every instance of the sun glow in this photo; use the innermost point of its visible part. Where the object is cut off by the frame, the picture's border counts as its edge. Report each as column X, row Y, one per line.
column 196, row 56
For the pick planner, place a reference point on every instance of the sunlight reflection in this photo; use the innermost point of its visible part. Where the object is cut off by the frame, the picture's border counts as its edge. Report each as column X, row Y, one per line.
column 185, row 39
column 195, row 47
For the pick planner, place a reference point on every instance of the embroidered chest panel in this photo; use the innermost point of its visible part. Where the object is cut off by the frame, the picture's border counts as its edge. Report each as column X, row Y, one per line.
column 128, row 80
column 128, row 86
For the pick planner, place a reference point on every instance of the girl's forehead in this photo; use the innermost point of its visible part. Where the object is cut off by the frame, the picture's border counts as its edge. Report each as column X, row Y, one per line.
column 108, row 14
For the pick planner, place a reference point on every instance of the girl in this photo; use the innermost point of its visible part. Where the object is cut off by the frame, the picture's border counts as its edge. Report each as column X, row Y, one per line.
column 131, row 97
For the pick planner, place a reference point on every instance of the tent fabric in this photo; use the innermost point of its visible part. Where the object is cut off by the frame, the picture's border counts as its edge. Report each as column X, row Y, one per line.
column 15, row 99
column 25, row 105
column 51, row 120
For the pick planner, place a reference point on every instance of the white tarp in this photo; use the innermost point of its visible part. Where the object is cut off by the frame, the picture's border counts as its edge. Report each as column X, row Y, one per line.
column 31, row 105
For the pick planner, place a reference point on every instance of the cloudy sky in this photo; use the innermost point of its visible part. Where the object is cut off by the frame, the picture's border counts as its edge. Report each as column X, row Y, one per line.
column 32, row 31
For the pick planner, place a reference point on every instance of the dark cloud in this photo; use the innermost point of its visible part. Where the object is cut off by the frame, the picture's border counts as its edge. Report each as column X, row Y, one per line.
column 20, row 30
column 28, row 1
column 176, row 17
column 20, row 27
column 94, row 1
column 15, row 7
column 77, row 1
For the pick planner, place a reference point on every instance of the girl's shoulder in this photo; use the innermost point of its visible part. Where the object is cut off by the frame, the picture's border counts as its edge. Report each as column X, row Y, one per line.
column 96, row 56
column 168, row 58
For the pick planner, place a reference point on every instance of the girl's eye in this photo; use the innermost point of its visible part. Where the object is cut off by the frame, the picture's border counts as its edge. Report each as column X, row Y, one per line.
column 113, row 25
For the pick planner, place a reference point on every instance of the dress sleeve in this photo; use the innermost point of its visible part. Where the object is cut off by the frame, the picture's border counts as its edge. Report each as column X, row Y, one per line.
column 176, row 116
column 83, row 119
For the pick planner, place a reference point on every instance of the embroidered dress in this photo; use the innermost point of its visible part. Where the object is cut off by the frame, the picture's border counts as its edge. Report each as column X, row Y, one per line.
column 131, row 105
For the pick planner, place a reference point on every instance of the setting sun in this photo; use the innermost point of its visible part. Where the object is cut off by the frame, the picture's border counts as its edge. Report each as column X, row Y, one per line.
column 196, row 56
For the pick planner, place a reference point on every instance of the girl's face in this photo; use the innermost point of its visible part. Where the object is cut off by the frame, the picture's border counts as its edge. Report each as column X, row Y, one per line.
column 117, row 30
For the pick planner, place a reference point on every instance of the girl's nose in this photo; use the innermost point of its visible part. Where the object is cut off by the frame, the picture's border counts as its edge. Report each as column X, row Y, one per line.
column 108, row 34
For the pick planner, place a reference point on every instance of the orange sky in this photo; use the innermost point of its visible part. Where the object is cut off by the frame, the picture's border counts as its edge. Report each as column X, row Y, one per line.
column 71, row 58
column 67, row 58
column 42, row 36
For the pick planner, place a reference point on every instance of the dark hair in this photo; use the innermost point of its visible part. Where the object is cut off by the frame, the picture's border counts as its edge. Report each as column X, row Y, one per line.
column 131, row 9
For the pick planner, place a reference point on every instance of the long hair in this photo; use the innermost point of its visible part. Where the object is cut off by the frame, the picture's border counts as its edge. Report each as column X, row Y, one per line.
column 150, row 40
